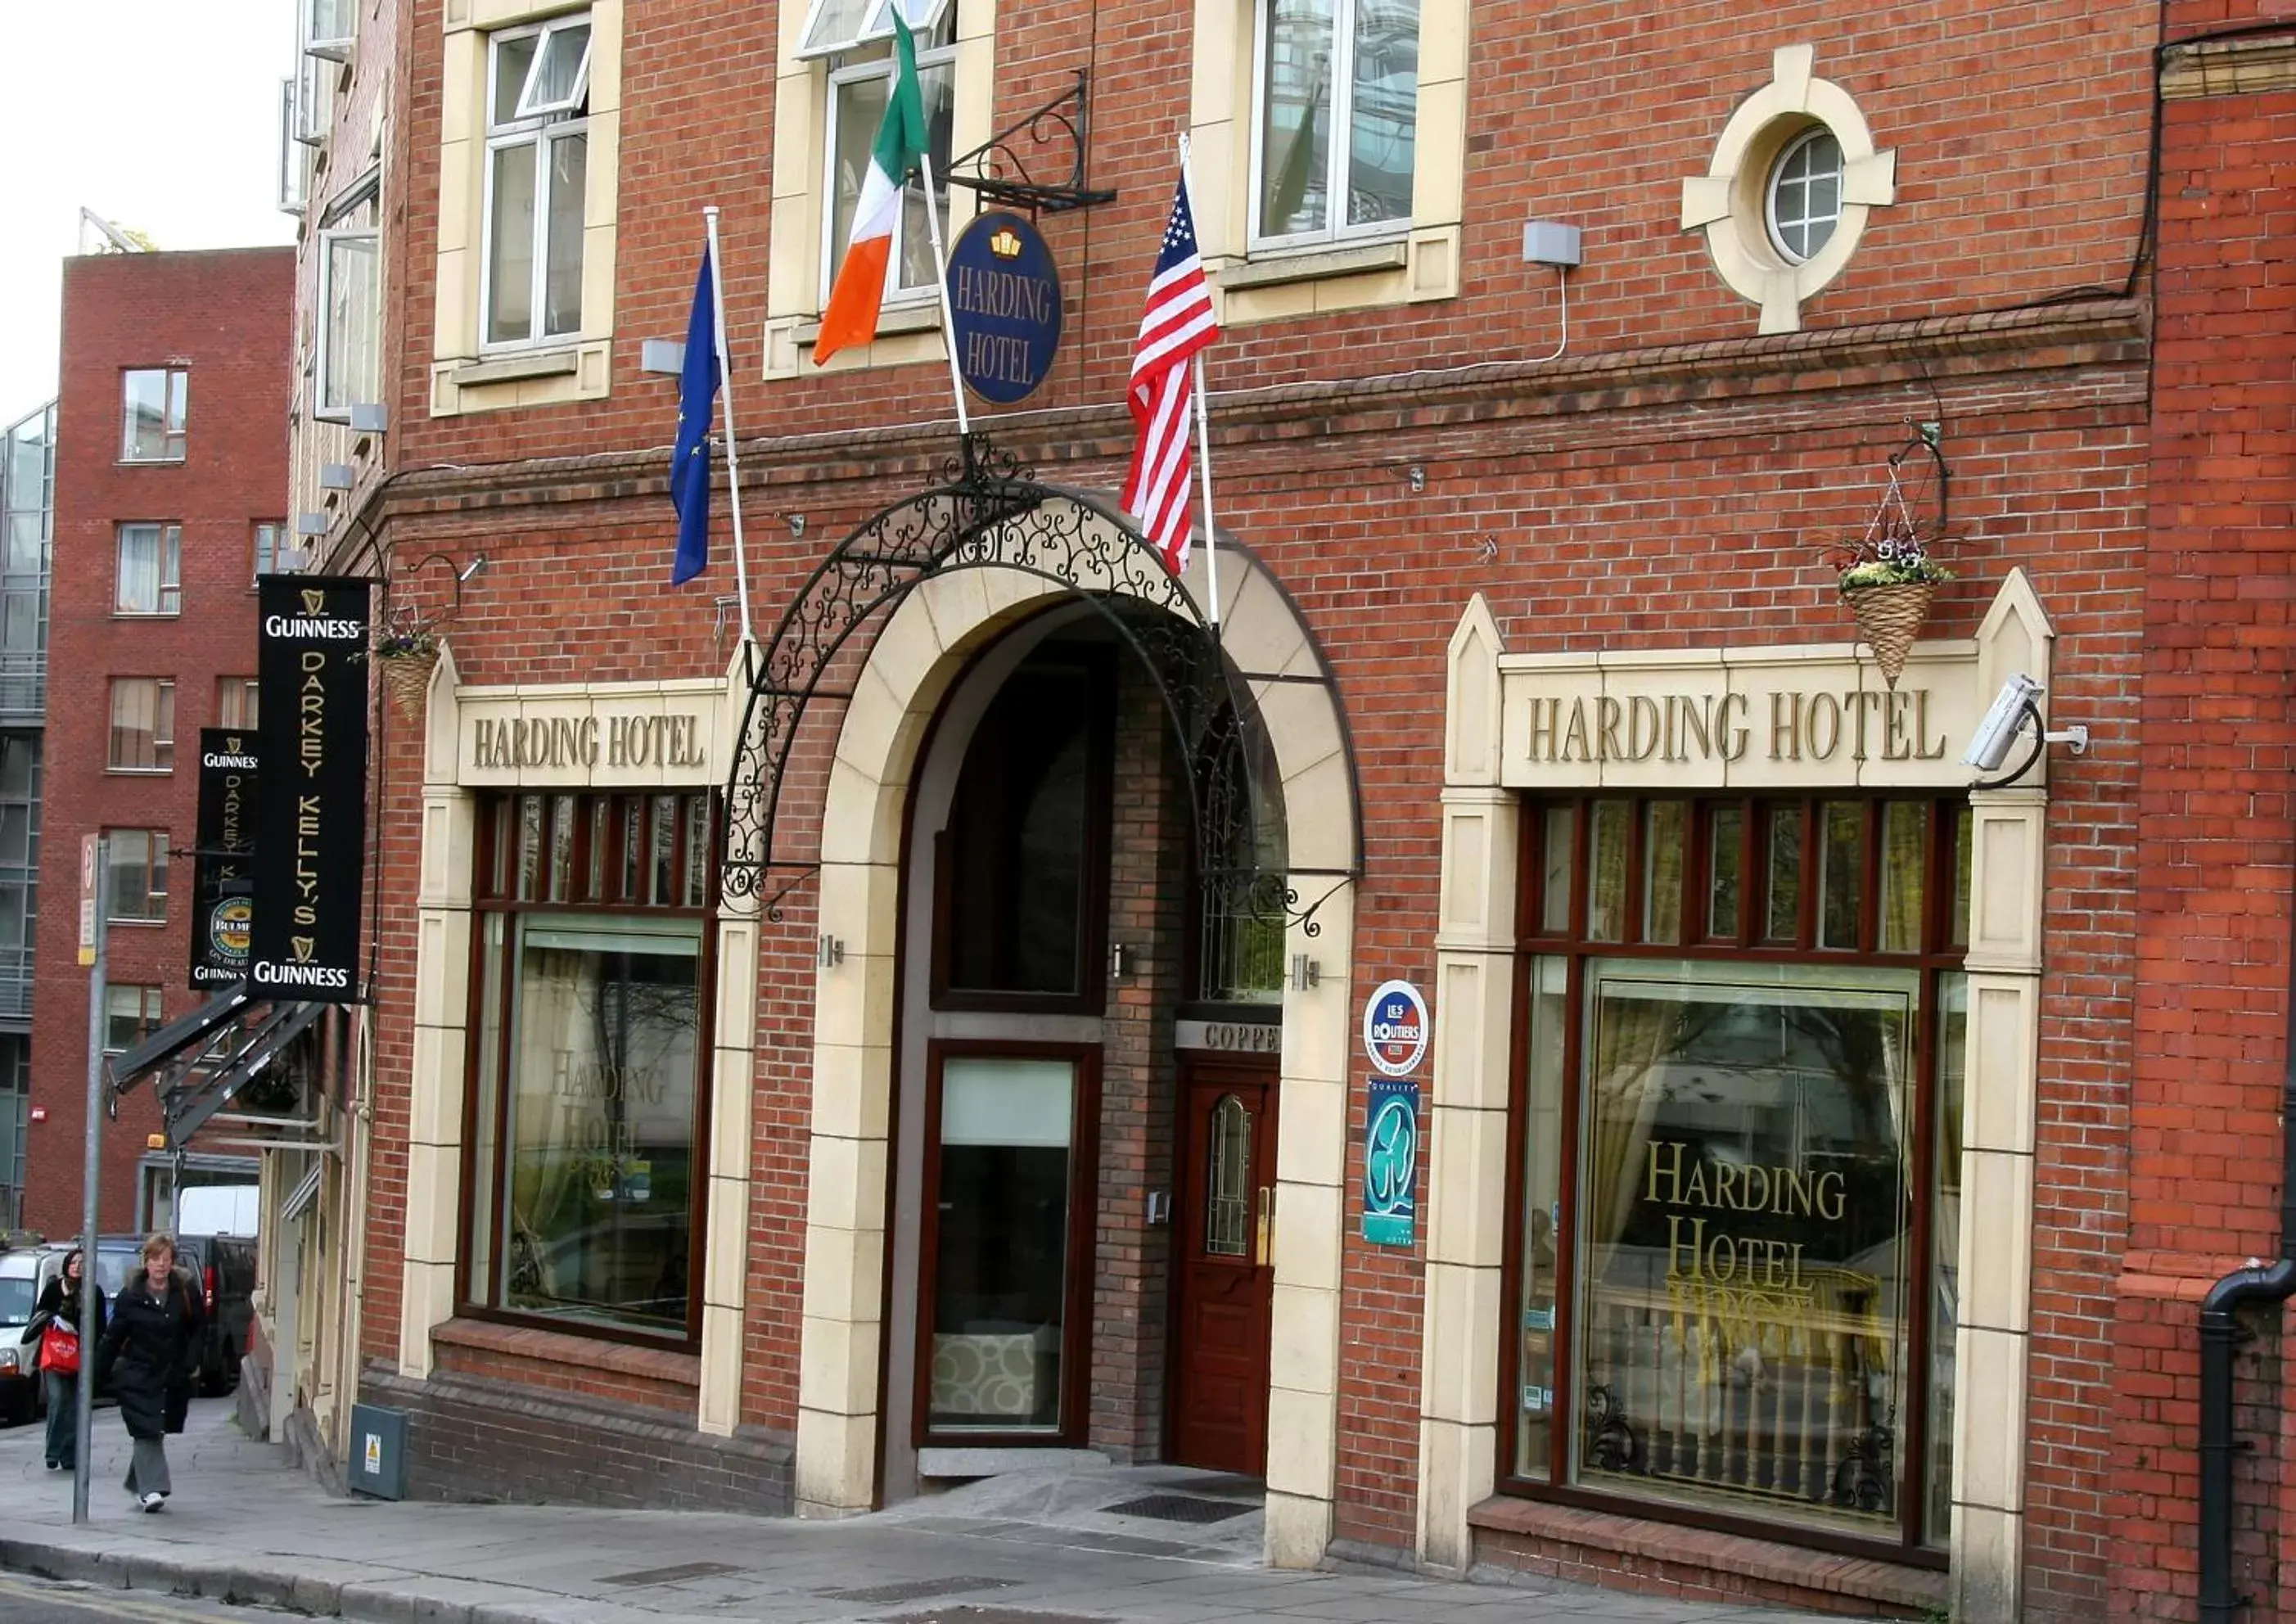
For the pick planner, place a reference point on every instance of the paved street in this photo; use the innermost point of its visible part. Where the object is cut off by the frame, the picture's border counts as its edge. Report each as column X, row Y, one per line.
column 34, row 1600
column 244, row 1528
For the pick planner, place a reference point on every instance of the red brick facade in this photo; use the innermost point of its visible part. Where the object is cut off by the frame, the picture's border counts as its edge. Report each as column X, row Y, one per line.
column 224, row 316
column 1673, row 481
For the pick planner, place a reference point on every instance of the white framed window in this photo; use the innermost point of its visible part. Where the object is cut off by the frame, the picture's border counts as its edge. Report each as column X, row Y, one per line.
column 236, row 702
column 857, row 94
column 1335, row 91
column 131, row 1013
column 347, row 316
column 832, row 27
column 537, row 166
column 313, row 100
column 155, row 403
column 142, row 724
column 274, row 553
column 329, row 27
column 151, row 575
column 1803, row 199
column 139, row 875
column 294, row 164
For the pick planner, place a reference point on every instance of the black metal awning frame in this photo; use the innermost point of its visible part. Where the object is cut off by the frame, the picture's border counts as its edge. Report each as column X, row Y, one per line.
column 199, row 1061
column 991, row 512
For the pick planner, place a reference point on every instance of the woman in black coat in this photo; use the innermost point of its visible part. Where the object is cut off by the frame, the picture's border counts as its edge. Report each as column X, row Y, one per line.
column 148, row 1353
column 62, row 1298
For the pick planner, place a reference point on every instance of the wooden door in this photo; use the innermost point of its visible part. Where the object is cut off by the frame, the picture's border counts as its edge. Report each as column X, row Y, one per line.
column 1224, row 1233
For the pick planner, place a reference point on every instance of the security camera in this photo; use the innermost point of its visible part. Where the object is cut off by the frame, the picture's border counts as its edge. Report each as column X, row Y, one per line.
column 2013, row 708
column 1988, row 746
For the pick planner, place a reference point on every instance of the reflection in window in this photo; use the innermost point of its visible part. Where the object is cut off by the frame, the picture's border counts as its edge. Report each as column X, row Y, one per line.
column 1726, row 864
column 1945, row 1246
column 1744, row 1224
column 1542, row 1218
column 1350, row 66
column 1000, row 1244
column 142, row 724
column 1606, row 871
column 1228, row 1183
column 1841, row 872
column 599, row 1124
column 1663, row 849
column 138, row 863
column 1904, row 855
column 1555, row 877
column 1784, row 913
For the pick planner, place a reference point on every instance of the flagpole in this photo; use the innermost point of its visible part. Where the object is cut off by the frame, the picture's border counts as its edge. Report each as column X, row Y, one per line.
column 725, row 393
column 941, row 281
column 1204, row 427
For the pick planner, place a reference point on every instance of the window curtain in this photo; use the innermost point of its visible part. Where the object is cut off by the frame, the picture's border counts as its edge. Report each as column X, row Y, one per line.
column 139, row 567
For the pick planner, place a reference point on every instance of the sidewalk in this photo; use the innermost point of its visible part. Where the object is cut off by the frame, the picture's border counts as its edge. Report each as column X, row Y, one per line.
column 245, row 1528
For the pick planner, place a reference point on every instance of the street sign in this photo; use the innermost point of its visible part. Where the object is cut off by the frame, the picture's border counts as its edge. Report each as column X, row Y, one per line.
column 87, row 877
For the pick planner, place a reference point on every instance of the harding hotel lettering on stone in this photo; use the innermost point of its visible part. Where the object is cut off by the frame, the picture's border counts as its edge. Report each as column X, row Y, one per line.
column 566, row 741
column 1684, row 727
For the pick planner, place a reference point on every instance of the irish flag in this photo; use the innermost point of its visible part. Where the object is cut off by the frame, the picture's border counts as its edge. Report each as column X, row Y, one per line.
column 852, row 318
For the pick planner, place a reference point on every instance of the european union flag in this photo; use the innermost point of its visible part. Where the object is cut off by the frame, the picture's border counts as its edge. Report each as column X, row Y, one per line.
column 697, row 407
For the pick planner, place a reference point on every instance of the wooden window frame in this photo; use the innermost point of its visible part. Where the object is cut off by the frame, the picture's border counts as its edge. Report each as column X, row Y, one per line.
column 499, row 815
column 1077, row 1308
column 1938, row 957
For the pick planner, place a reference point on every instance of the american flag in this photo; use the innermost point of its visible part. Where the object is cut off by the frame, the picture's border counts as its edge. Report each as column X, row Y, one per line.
column 1176, row 324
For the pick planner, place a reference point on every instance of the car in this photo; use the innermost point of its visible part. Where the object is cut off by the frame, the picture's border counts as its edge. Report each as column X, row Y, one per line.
column 20, row 1367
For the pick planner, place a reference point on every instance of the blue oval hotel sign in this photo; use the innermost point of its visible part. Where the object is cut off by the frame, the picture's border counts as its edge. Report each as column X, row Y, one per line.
column 1004, row 301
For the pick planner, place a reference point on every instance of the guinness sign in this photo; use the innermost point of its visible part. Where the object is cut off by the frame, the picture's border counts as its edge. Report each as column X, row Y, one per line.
column 222, row 904
column 312, row 667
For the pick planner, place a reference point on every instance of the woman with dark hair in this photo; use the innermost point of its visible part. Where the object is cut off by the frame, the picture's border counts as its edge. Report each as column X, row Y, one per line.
column 149, row 1349
column 61, row 1357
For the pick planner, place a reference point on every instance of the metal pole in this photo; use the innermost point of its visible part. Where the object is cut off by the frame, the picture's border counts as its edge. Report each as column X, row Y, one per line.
column 1203, row 432
column 940, row 277
column 91, row 1170
column 726, row 395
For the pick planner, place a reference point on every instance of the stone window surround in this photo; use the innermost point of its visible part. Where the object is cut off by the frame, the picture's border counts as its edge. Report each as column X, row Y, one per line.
column 431, row 1244
column 1462, row 1416
column 573, row 366
column 1730, row 202
column 1419, row 262
column 930, row 639
column 908, row 332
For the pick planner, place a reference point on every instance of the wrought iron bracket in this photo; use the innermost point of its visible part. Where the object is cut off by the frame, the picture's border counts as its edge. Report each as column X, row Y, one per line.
column 1000, row 168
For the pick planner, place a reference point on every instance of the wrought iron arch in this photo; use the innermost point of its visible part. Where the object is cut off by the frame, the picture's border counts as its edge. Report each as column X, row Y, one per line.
column 990, row 512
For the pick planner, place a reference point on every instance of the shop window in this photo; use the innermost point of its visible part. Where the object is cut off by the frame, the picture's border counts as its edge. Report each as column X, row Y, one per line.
column 150, row 581
column 155, row 408
column 1739, row 1160
column 1335, row 139
column 1008, row 1190
column 1021, row 869
column 235, row 701
column 538, row 158
column 130, row 1015
column 139, row 876
column 142, row 724
column 590, row 1062
column 859, row 86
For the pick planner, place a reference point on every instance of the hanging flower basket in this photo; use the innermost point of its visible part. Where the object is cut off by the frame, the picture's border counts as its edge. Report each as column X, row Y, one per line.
column 1890, row 614
column 406, row 673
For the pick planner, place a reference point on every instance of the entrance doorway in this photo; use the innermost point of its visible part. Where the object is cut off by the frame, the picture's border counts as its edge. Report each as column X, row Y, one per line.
column 1223, row 1274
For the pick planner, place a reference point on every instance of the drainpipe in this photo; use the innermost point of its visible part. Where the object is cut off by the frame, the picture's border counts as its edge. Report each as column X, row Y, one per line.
column 2274, row 1283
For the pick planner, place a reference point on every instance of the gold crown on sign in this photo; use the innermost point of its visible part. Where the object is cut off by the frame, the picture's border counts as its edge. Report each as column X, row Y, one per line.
column 1005, row 244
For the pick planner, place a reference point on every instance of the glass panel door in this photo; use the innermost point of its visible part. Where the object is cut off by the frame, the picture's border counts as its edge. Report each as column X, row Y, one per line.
column 1000, row 1244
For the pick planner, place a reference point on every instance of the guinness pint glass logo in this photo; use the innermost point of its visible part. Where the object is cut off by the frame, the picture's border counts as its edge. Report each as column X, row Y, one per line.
column 227, row 929
column 303, row 946
column 315, row 602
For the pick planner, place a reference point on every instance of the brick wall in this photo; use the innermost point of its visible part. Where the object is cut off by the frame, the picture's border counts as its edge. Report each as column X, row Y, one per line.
column 226, row 316
column 2213, row 888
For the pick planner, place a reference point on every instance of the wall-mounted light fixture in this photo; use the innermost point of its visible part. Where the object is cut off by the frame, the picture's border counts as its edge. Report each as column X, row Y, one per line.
column 1306, row 972
column 369, row 417
column 336, row 475
column 661, row 355
column 1119, row 961
column 833, row 951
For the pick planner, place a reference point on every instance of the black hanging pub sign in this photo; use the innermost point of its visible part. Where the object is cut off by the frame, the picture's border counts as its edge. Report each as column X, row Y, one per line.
column 222, row 889
column 311, row 668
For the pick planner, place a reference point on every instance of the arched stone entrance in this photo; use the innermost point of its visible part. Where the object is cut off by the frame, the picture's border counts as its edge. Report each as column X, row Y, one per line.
column 984, row 585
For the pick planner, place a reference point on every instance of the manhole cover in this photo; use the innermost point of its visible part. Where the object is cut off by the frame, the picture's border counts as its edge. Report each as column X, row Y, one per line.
column 671, row 1576
column 1179, row 1508
column 919, row 1589
column 991, row 1615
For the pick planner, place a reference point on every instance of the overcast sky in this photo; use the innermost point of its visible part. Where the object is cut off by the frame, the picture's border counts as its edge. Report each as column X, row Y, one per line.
column 162, row 115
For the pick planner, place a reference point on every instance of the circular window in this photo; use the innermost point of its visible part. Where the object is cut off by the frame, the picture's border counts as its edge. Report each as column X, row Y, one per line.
column 1805, row 194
